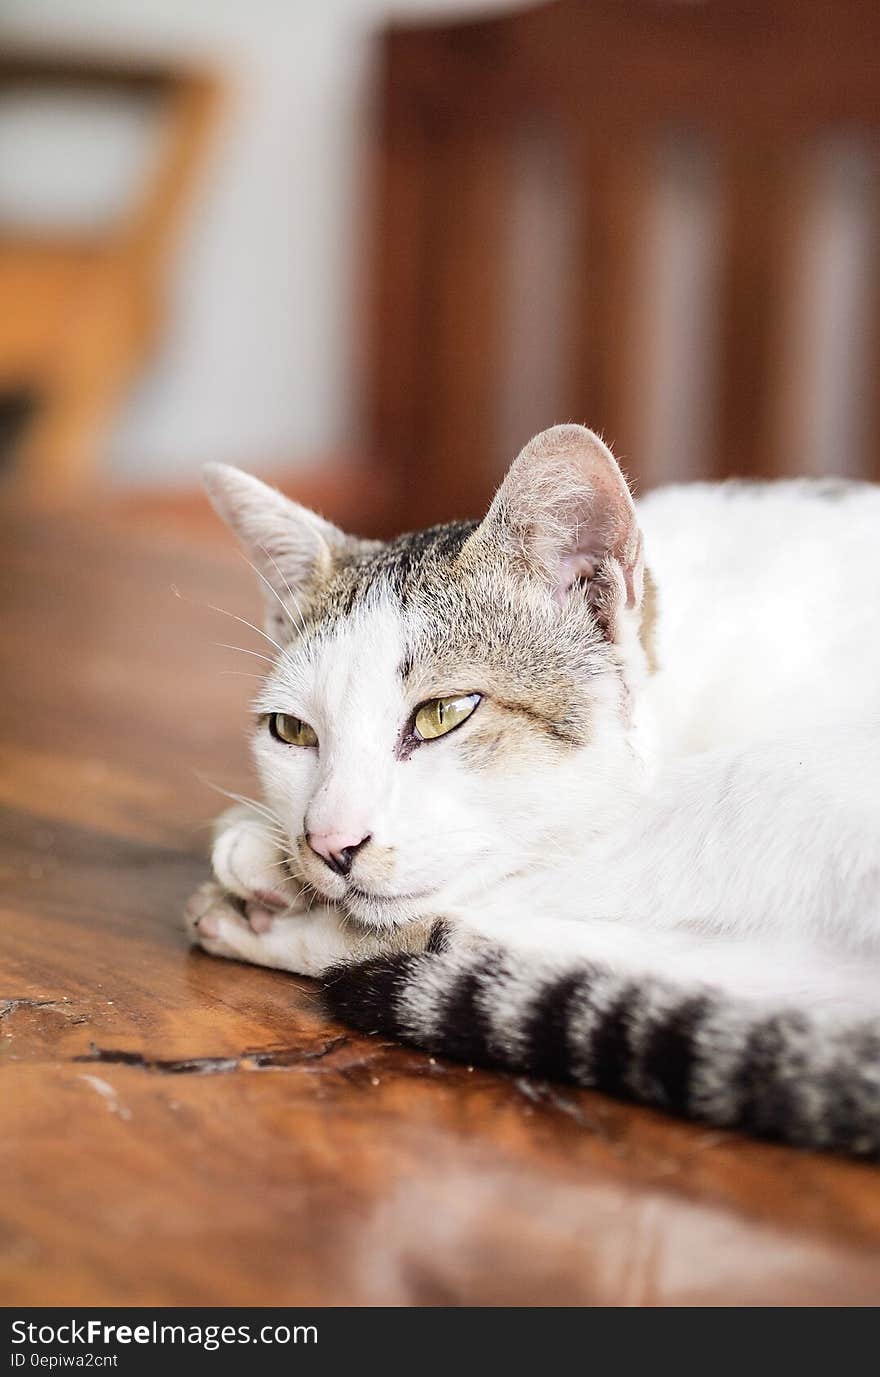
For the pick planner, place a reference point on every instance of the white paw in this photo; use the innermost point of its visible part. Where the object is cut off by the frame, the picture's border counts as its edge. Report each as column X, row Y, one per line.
column 302, row 940
column 224, row 925
column 249, row 862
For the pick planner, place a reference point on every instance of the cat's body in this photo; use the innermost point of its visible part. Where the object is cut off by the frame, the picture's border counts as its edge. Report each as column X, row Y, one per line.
column 668, row 792
column 768, row 615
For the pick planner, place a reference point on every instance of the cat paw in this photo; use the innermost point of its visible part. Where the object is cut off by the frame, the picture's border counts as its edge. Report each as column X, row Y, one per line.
column 248, row 862
column 204, row 908
column 304, row 941
column 223, row 924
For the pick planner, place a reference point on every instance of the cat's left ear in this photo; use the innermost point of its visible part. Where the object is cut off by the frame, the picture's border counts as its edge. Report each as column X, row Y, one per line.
column 293, row 549
column 564, row 513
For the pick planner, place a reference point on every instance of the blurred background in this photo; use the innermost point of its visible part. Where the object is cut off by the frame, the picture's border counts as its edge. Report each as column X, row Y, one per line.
column 367, row 249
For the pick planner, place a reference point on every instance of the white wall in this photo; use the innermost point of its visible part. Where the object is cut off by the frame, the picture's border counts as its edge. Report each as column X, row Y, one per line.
column 258, row 363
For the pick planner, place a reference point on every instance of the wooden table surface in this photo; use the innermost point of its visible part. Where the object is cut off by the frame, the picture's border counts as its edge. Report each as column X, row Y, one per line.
column 182, row 1130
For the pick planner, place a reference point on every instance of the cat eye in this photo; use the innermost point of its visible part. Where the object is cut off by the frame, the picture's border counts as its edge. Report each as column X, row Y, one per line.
column 441, row 715
column 293, row 731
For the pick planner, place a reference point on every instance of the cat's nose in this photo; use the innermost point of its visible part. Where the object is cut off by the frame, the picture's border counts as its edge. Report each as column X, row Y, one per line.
column 336, row 849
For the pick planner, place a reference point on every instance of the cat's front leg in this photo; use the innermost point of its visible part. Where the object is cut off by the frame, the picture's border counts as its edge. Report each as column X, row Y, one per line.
column 303, row 941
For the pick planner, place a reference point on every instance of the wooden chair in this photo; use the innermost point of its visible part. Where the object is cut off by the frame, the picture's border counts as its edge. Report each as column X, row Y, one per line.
column 757, row 86
column 78, row 311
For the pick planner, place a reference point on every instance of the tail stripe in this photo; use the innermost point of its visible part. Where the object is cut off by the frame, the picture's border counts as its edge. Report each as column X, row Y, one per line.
column 370, row 1004
column 772, row 1069
column 670, row 1053
column 853, row 1096
column 610, row 1053
column 547, row 1024
column 466, row 1032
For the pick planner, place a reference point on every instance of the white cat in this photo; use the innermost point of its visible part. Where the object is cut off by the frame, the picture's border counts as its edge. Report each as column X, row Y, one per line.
column 539, row 807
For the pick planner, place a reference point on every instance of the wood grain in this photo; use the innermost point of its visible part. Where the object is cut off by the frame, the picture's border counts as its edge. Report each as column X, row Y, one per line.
column 181, row 1130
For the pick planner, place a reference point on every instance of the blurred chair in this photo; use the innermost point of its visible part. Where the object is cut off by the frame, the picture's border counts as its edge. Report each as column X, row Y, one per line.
column 522, row 267
column 80, row 305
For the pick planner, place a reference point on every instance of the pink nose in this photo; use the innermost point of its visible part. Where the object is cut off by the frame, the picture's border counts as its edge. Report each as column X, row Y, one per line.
column 336, row 849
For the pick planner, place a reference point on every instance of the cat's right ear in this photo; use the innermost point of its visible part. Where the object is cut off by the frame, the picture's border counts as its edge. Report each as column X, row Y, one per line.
column 293, row 549
column 565, row 515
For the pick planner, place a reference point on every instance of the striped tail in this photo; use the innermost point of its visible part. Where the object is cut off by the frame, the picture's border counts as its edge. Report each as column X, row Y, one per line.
column 786, row 1075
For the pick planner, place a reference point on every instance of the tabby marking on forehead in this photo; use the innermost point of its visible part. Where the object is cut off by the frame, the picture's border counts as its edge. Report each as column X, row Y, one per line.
column 400, row 565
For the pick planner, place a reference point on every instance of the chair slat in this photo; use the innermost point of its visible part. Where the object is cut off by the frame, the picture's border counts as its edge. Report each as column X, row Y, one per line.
column 872, row 372
column 402, row 265
column 607, row 363
column 760, row 203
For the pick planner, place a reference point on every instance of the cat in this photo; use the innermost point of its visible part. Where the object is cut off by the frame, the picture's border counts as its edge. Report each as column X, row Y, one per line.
column 587, row 789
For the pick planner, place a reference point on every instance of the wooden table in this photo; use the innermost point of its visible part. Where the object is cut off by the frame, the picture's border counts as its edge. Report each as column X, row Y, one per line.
column 182, row 1130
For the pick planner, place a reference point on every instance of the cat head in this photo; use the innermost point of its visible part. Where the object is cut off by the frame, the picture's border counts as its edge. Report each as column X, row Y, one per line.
column 456, row 704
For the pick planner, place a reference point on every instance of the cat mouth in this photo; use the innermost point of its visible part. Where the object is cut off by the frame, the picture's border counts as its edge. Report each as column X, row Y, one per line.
column 382, row 910
column 372, row 909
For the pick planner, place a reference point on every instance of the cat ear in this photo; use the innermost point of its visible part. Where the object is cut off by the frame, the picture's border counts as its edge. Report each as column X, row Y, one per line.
column 565, row 512
column 292, row 548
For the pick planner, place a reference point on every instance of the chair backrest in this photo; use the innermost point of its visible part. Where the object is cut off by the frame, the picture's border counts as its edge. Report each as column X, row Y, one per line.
column 79, row 307
column 532, row 165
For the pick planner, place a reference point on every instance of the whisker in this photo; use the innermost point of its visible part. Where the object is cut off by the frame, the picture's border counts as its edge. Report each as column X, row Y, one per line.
column 274, row 591
column 281, row 575
column 224, row 612
column 297, row 896
column 262, row 808
column 263, row 828
column 244, row 622
column 258, row 655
